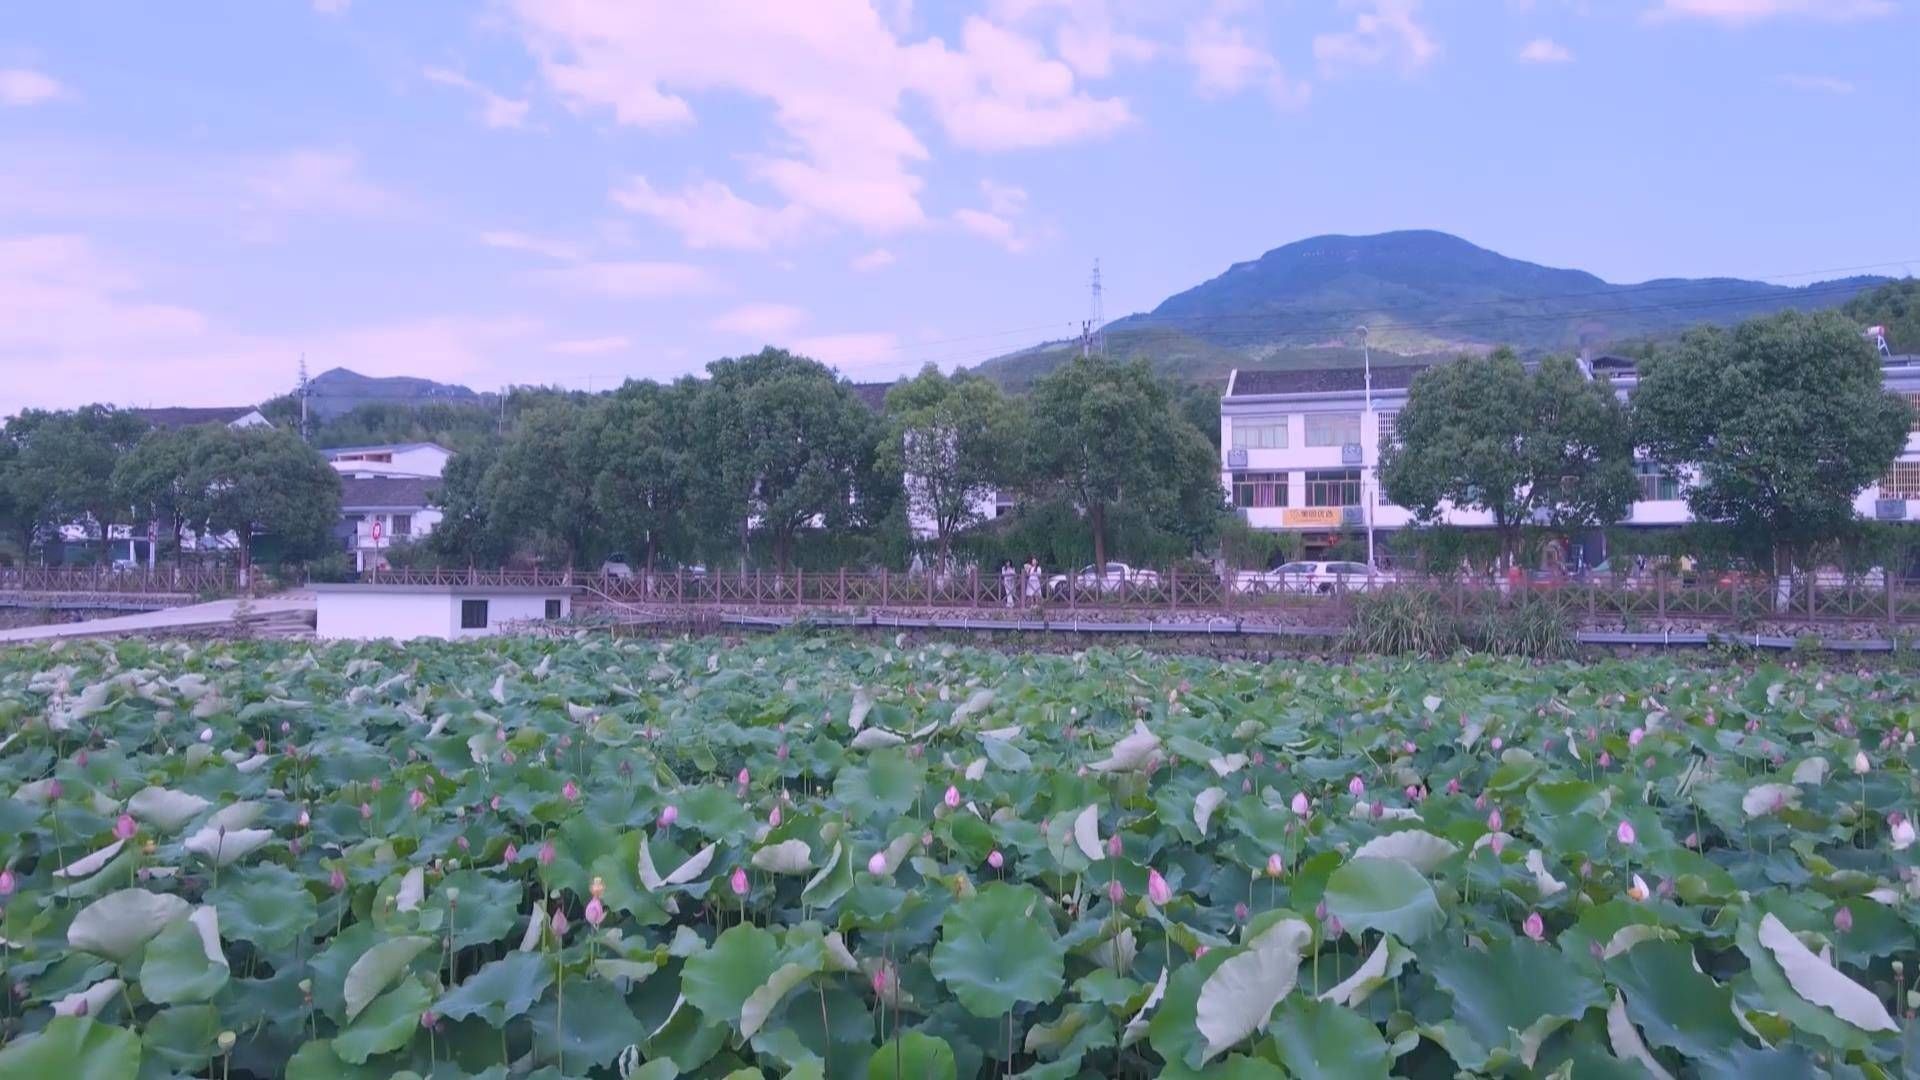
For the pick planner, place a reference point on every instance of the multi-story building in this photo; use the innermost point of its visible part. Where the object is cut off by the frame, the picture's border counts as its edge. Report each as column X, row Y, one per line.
column 386, row 497
column 1300, row 451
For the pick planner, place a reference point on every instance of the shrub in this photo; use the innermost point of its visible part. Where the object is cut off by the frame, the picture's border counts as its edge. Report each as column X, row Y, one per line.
column 1531, row 625
column 1398, row 622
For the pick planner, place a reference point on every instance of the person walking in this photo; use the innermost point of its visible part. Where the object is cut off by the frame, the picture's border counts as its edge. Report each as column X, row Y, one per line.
column 1007, row 588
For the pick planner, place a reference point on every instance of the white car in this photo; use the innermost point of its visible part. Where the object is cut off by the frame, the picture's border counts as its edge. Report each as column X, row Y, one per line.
column 1326, row 577
column 1118, row 578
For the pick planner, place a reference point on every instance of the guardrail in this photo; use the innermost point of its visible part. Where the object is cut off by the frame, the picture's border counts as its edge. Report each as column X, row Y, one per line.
column 167, row 580
column 1660, row 597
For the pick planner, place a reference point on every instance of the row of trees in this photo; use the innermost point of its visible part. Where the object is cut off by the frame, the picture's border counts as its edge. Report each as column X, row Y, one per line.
column 775, row 447
column 105, row 467
column 1776, row 425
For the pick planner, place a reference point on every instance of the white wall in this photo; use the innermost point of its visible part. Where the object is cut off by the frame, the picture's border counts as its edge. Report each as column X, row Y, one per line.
column 501, row 610
column 367, row 553
column 401, row 615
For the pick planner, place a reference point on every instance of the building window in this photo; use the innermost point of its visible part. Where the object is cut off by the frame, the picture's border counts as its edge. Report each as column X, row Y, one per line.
column 553, row 609
column 1902, row 481
column 1333, row 487
column 473, row 614
column 1657, row 482
column 1266, row 435
column 1257, row 490
column 1913, row 403
column 402, row 524
column 1333, row 429
column 1389, row 427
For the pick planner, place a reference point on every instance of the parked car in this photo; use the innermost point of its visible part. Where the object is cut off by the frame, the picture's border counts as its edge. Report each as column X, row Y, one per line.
column 1118, row 578
column 1327, row 577
column 616, row 566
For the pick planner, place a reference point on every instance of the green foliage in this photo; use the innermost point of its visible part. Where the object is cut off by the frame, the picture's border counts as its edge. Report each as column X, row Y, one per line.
column 1784, row 420
column 256, row 481
column 57, row 467
column 1486, row 434
column 647, row 462
column 1455, row 899
column 1399, row 622
column 1896, row 306
column 1528, row 625
column 953, row 442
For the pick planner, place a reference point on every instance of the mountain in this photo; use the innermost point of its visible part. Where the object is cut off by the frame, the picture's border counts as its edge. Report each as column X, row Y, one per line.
column 337, row 391
column 1420, row 294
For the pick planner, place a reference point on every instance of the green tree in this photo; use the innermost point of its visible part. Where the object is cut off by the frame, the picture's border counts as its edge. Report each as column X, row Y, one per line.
column 1484, row 433
column 1896, row 306
column 466, row 534
column 646, row 458
column 1782, row 421
column 152, row 478
column 952, row 443
column 62, row 467
column 790, row 445
column 542, row 486
column 1108, row 435
column 256, row 481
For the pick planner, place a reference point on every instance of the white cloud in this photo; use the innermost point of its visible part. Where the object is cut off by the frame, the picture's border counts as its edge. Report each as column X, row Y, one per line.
column 510, row 240
column 837, row 77
column 851, row 352
column 873, row 260
column 23, row 86
column 631, row 280
column 599, row 346
column 1818, row 84
column 1227, row 60
column 1545, row 51
column 762, row 322
column 1384, row 31
column 997, row 220
column 496, row 111
column 1738, row 12
column 710, row 215
column 331, row 7
column 314, row 181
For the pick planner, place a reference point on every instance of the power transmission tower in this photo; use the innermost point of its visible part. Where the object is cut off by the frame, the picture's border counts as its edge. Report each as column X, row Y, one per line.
column 1098, row 318
column 303, row 397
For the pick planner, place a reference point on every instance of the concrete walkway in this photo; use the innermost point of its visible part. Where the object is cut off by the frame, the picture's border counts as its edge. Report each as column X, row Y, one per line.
column 196, row 617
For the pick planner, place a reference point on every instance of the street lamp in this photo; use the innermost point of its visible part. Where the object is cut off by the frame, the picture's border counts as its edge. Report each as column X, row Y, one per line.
column 1366, row 469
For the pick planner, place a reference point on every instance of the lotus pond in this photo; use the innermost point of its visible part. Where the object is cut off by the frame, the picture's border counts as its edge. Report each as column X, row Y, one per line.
column 811, row 857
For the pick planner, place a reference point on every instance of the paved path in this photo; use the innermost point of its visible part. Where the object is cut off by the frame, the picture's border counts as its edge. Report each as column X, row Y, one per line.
column 160, row 623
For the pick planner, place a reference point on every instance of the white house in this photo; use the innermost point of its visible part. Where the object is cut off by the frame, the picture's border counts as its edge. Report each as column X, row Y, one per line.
column 1300, row 451
column 447, row 612
column 172, row 418
column 386, row 496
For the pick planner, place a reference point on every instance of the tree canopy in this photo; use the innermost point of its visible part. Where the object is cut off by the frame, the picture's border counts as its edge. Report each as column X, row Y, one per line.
column 255, row 481
column 1896, row 306
column 1783, row 421
column 952, row 443
column 1484, row 433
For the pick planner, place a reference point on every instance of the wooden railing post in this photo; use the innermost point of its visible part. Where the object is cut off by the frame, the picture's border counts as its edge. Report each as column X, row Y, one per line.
column 1887, row 586
column 1660, row 592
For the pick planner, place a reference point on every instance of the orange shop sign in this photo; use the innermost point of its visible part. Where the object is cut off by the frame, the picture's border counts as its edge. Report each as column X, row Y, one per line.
column 1311, row 517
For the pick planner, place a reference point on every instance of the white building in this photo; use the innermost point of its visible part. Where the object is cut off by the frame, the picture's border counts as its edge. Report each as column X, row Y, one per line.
column 448, row 612
column 1300, row 451
column 386, row 497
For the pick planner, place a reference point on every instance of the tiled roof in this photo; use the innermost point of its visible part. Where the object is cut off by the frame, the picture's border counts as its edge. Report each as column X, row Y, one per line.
column 386, row 492
column 334, row 451
column 1322, row 380
column 177, row 417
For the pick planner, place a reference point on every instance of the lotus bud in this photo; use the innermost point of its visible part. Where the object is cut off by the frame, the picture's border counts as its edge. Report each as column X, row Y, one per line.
column 206, row 734
column 305, row 819
column 226, row 1041
column 1638, row 890
column 738, row 882
column 1843, row 920
column 285, row 727
column 124, row 828
column 559, row 922
column 1902, row 835
column 1409, row 747
column 1300, row 804
column 1480, row 801
column 881, row 980
column 428, row 1019
column 952, row 797
column 744, row 778
column 7, row 882
column 1246, row 787
column 462, row 843
column 508, row 757
column 416, row 799
column 1356, row 787
column 1378, row 810
column 1861, row 764
column 1498, row 742
column 1199, row 951
column 570, row 791
column 80, row 758
column 669, row 815
column 878, row 863
column 1535, row 926
column 1158, row 890
column 995, row 859
column 1240, row 912
column 1495, row 821
column 55, row 788
column 596, row 913
column 337, row 879
column 1625, row 833
column 547, row 853
column 1453, row 786
column 1114, row 846
column 511, row 855
column 1275, row 866
column 1114, row 892
column 566, row 741
column 773, row 818
column 1498, row 842
column 375, row 785
column 366, row 811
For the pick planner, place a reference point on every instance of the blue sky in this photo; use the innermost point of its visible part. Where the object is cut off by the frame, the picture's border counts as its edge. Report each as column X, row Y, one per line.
column 577, row 191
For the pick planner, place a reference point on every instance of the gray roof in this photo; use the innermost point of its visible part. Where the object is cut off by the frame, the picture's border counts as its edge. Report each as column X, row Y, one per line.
column 386, row 492
column 174, row 417
column 1322, row 380
column 334, row 451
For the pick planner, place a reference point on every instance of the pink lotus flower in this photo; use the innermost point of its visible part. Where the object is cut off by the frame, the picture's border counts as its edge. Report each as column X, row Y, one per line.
column 511, row 855
column 547, row 853
column 744, row 778
column 206, row 735
column 773, row 818
column 570, row 791
column 1634, row 736
column 337, row 880
column 596, row 912
column 1158, row 890
column 1625, row 833
column 1494, row 821
column 80, row 759
column 124, row 828
column 55, row 789
column 1606, row 760
column 1114, row 892
column 416, row 799
column 1113, row 846
column 881, row 980
column 1409, row 747
column 305, row 819
column 1246, row 787
column 1453, row 786
column 1638, row 891
column 366, row 811
column 1356, row 787
column 1240, row 912
column 375, row 785
column 738, row 882
column 1300, row 804
column 1843, row 920
column 462, row 843
column 669, row 815
column 559, row 922
column 1498, row 742
column 952, row 797
column 1535, row 926
column 1199, row 951
column 1498, row 842
column 781, row 752
column 1378, row 810
column 1275, row 865
column 995, row 859
column 1334, row 926
column 429, row 1018
column 7, row 882
column 878, row 863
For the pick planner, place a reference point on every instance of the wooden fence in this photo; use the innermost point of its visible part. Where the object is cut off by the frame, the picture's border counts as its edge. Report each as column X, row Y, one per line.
column 160, row 580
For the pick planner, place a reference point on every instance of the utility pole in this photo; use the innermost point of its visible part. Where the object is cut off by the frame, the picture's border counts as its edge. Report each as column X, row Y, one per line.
column 1368, row 481
column 304, row 433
